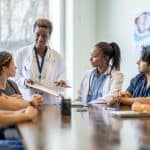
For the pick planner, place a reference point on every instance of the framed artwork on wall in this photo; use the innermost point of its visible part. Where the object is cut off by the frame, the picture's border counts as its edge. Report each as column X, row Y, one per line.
column 142, row 30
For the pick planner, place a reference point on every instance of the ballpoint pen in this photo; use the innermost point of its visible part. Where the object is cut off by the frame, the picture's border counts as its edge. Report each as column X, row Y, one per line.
column 62, row 82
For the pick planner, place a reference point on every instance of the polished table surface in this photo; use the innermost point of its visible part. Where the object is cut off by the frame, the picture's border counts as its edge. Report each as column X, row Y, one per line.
column 91, row 128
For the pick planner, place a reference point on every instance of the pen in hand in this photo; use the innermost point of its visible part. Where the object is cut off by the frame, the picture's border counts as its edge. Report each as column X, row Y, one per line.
column 62, row 83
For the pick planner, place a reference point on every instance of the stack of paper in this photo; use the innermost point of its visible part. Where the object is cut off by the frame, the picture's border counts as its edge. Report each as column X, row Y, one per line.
column 81, row 103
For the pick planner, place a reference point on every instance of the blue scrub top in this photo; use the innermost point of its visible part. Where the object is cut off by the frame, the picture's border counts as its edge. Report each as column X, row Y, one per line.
column 96, row 85
column 138, row 86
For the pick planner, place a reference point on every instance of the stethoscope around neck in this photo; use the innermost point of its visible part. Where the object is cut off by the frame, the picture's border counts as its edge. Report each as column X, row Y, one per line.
column 91, row 79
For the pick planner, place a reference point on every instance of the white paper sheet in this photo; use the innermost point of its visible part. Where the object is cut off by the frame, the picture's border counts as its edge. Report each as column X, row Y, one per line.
column 98, row 102
column 79, row 103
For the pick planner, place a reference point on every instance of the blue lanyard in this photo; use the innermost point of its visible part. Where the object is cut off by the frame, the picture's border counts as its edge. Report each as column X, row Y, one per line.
column 40, row 66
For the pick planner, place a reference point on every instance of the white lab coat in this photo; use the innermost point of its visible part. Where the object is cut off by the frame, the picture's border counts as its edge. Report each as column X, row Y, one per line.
column 111, row 84
column 53, row 69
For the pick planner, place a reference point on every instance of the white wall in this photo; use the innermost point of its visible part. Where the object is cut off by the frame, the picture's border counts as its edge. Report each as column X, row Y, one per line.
column 84, row 35
column 101, row 20
column 115, row 22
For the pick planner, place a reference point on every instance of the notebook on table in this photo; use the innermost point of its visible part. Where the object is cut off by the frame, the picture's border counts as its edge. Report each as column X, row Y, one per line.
column 129, row 114
column 81, row 103
column 98, row 102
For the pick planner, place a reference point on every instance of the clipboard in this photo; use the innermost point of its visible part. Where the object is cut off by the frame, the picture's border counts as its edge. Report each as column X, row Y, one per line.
column 129, row 114
column 43, row 89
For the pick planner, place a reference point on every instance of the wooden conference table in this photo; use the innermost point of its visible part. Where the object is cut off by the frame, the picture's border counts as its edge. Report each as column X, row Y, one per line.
column 91, row 129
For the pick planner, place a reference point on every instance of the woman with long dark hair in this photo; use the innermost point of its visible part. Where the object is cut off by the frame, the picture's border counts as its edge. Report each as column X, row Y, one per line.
column 13, row 108
column 10, row 96
column 105, row 79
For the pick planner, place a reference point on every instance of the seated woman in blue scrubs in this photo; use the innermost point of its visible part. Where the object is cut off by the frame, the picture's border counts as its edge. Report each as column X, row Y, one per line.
column 105, row 79
column 139, row 88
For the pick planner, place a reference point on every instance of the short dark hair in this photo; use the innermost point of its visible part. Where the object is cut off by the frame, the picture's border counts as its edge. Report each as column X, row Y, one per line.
column 145, row 54
column 44, row 23
column 111, row 50
column 5, row 60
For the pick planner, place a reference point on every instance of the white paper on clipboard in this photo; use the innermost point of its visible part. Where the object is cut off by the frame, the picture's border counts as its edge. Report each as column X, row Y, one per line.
column 43, row 89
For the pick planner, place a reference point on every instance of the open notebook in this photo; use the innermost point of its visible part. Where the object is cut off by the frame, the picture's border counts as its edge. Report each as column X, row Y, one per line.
column 43, row 89
column 128, row 114
column 81, row 103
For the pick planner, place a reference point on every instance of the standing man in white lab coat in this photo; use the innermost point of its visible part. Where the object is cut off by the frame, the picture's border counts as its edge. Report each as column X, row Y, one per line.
column 38, row 63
